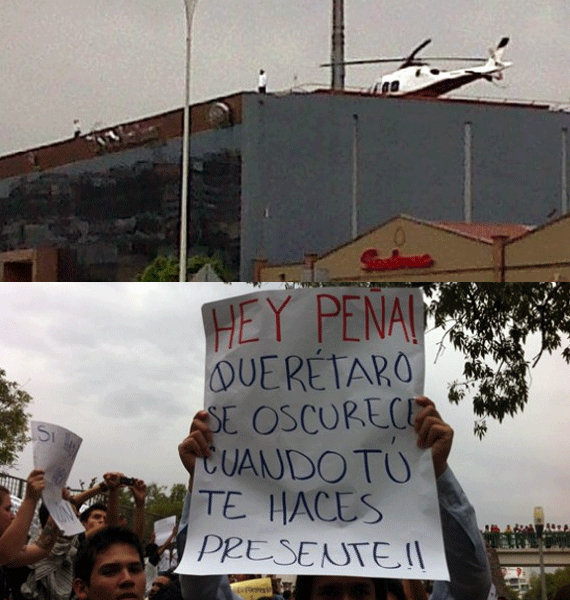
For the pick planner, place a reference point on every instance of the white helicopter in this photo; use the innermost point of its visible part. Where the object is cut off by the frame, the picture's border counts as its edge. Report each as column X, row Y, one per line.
column 417, row 78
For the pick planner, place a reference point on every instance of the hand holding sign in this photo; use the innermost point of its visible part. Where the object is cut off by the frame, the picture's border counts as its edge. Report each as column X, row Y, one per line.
column 433, row 433
column 35, row 485
column 197, row 443
column 55, row 449
column 14, row 529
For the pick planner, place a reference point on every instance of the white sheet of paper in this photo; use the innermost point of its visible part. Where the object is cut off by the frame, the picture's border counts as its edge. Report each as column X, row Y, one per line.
column 315, row 468
column 55, row 449
column 163, row 528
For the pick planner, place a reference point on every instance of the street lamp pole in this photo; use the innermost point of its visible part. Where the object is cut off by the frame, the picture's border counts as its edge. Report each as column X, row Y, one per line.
column 539, row 528
column 190, row 6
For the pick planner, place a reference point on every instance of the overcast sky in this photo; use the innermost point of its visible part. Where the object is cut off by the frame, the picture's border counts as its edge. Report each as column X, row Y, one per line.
column 122, row 366
column 106, row 62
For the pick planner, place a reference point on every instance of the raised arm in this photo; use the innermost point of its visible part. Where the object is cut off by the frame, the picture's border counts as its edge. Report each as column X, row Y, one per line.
column 113, row 483
column 469, row 571
column 39, row 549
column 167, row 542
column 79, row 499
column 139, row 494
column 433, row 433
column 14, row 537
column 197, row 445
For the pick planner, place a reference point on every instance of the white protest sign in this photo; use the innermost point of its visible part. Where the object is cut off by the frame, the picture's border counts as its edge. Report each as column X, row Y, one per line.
column 163, row 529
column 315, row 467
column 55, row 449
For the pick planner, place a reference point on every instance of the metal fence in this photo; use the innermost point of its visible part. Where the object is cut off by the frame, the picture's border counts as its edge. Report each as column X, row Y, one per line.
column 17, row 487
column 550, row 539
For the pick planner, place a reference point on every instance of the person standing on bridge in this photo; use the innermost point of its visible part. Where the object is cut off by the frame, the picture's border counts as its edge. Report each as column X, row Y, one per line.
column 509, row 536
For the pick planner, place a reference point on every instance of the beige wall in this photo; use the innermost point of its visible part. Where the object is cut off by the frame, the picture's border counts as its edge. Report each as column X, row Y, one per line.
column 456, row 257
column 290, row 273
column 542, row 255
column 29, row 265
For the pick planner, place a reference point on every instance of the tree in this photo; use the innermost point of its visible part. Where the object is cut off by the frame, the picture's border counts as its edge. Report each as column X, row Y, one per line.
column 164, row 268
column 13, row 421
column 490, row 324
column 553, row 581
column 158, row 502
column 161, row 504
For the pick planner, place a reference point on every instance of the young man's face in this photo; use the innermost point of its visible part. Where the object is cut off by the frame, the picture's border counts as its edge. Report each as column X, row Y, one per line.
column 97, row 518
column 117, row 574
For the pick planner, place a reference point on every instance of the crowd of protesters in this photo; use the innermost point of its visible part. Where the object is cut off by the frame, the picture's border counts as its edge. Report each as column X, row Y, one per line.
column 111, row 559
column 44, row 569
column 524, row 536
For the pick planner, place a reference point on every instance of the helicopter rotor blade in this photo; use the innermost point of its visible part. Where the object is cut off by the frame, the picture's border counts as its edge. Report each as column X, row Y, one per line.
column 457, row 58
column 365, row 61
column 395, row 60
column 410, row 59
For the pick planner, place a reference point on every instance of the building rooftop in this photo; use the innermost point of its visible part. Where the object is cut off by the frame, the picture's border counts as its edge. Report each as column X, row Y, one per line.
column 485, row 231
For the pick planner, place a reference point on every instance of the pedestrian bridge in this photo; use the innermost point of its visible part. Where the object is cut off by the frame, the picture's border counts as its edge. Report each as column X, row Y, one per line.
column 521, row 549
column 529, row 557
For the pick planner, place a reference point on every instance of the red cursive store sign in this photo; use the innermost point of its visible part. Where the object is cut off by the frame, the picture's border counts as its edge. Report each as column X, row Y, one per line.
column 371, row 262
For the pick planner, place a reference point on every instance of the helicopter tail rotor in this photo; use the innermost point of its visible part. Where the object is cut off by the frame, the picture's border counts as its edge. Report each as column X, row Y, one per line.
column 496, row 54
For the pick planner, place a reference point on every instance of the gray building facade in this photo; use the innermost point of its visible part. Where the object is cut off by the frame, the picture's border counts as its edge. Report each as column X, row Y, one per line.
column 276, row 176
column 309, row 160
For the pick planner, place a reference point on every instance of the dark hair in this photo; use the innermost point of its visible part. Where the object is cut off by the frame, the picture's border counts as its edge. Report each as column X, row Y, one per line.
column 304, row 587
column 101, row 542
column 171, row 591
column 96, row 506
column 395, row 587
column 562, row 593
column 43, row 514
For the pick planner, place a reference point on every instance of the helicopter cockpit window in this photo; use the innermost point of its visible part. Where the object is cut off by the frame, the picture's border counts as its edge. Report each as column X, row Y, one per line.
column 434, row 71
column 418, row 72
column 395, row 86
column 385, row 87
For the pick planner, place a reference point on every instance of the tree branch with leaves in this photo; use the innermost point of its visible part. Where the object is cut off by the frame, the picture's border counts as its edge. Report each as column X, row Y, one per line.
column 13, row 420
column 490, row 325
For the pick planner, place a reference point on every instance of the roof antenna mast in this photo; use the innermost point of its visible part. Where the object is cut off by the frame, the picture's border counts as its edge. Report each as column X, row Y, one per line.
column 337, row 52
